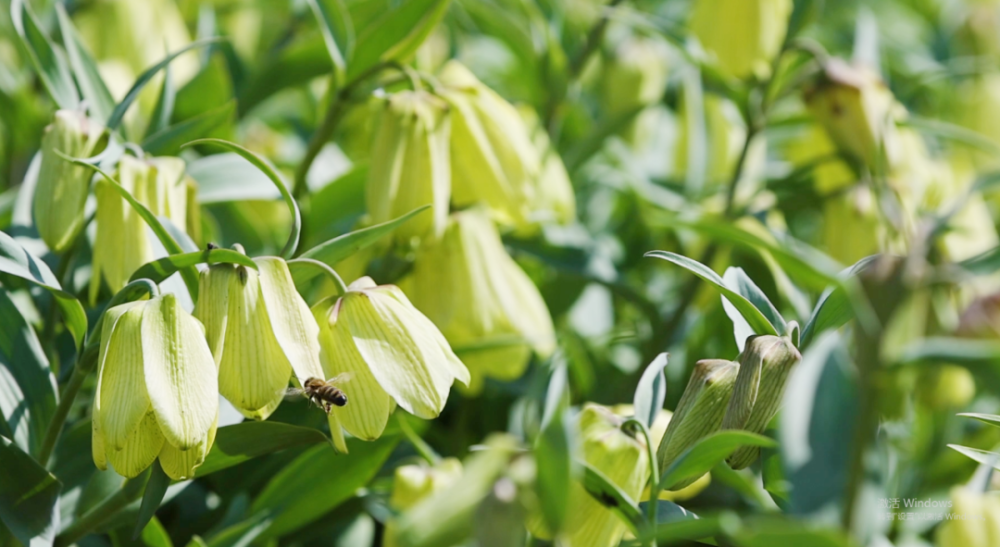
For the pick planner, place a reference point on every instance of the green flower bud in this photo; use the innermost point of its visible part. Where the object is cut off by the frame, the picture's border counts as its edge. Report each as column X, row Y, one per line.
column 623, row 459
column 392, row 353
column 63, row 187
column 760, row 386
column 157, row 395
column 493, row 160
column 410, row 164
column 858, row 112
column 978, row 522
column 481, row 299
column 260, row 331
column 743, row 35
column 635, row 76
column 946, row 387
column 415, row 483
column 123, row 243
column 554, row 197
column 699, row 412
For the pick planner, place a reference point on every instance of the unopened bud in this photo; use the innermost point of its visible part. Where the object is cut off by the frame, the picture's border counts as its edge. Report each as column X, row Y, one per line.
column 764, row 366
column 699, row 412
column 62, row 186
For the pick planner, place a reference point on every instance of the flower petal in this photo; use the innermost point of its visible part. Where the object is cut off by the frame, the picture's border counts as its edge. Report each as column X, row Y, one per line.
column 368, row 405
column 253, row 371
column 293, row 324
column 337, row 433
column 122, row 397
column 180, row 464
column 401, row 349
column 97, row 446
column 213, row 304
column 140, row 450
column 180, row 373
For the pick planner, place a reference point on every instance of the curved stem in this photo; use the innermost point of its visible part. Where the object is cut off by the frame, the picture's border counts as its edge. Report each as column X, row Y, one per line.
column 421, row 446
column 83, row 367
column 338, row 281
column 654, row 478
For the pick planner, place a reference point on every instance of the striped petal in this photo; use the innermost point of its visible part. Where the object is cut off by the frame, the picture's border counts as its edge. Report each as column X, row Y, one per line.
column 140, row 450
column 292, row 323
column 403, row 349
column 212, row 308
column 254, row 370
column 123, row 401
column 180, row 373
column 368, row 405
column 180, row 464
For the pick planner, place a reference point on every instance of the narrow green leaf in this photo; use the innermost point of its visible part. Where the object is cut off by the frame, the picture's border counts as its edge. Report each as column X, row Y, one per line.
column 164, row 108
column 50, row 63
column 985, row 457
column 241, row 533
column 984, row 263
column 228, row 177
column 951, row 131
column 960, row 351
column 156, row 488
column 235, row 444
column 834, row 307
column 757, row 321
column 190, row 274
column 159, row 270
column 555, row 470
column 16, row 260
column 28, row 495
column 991, row 419
column 168, row 141
column 265, row 167
column 609, row 495
column 99, row 99
column 708, row 451
column 27, row 387
column 323, row 10
column 396, row 35
column 318, row 481
column 681, row 532
column 739, row 281
column 155, row 535
column 119, row 112
column 333, row 251
column 651, row 391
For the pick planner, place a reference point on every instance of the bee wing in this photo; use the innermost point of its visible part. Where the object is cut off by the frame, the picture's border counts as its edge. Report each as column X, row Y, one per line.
column 340, row 379
column 293, row 392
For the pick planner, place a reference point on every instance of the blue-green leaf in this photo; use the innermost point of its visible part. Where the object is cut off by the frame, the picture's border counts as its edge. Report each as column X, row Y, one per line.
column 168, row 141
column 708, row 451
column 161, row 269
column 235, row 444
column 28, row 495
column 651, row 391
column 396, row 35
column 48, row 60
column 99, row 99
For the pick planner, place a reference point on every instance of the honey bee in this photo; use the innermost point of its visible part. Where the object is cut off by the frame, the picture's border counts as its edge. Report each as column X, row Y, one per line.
column 322, row 393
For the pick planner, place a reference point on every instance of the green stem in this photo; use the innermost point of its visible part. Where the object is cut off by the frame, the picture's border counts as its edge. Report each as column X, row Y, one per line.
column 83, row 367
column 129, row 493
column 652, row 514
column 421, row 446
column 339, row 101
column 338, row 281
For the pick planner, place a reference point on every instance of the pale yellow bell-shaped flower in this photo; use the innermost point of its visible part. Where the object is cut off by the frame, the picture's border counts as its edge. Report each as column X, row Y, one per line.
column 634, row 76
column 392, row 355
column 725, row 131
column 493, row 160
column 482, row 301
column 743, row 36
column 123, row 243
column 851, row 226
column 760, row 385
column 62, row 186
column 859, row 113
column 620, row 457
column 260, row 331
column 976, row 522
column 410, row 164
column 554, row 197
column 157, row 394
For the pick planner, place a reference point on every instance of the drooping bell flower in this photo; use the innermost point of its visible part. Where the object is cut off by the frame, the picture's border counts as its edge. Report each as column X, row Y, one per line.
column 554, row 197
column 743, row 36
column 157, row 394
column 123, row 242
column 260, row 331
column 481, row 299
column 410, row 163
column 493, row 161
column 392, row 354
column 62, row 186
column 635, row 76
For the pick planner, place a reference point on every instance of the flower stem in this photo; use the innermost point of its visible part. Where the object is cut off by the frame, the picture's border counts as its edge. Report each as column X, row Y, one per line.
column 83, row 367
column 424, row 449
column 654, row 479
column 129, row 493
column 338, row 281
